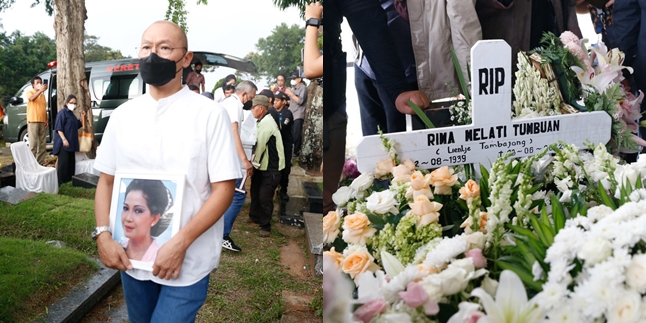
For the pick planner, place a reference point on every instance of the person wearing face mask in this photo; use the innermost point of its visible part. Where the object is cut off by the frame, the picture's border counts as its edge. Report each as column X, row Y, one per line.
column 66, row 143
column 298, row 99
column 245, row 92
column 196, row 78
column 218, row 95
column 37, row 119
column 137, row 140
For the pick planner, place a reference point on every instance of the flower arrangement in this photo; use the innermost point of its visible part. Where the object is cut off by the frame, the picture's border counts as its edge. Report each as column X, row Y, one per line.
column 445, row 246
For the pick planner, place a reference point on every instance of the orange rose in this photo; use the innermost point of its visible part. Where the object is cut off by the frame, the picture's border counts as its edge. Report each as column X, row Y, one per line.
column 466, row 225
column 419, row 185
column 357, row 261
column 356, row 229
column 383, row 168
column 410, row 164
column 401, row 174
column 425, row 210
column 336, row 257
column 469, row 191
column 331, row 223
column 443, row 178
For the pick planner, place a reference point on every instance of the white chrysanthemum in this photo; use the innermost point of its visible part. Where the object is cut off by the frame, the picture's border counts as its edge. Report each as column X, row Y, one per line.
column 598, row 212
column 537, row 271
column 391, row 290
column 447, row 249
column 565, row 314
column 560, row 271
column 552, row 295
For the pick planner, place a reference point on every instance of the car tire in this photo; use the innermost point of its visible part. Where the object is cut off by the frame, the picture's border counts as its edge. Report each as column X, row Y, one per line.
column 24, row 136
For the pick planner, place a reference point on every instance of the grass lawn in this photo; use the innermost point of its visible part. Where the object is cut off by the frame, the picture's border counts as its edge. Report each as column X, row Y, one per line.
column 248, row 286
column 33, row 274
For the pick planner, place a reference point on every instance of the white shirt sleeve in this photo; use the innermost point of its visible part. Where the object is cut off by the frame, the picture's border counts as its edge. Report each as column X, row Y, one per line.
column 106, row 154
column 223, row 162
column 232, row 110
column 218, row 96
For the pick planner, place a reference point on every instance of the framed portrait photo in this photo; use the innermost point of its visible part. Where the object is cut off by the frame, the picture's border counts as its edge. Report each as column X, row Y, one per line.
column 145, row 213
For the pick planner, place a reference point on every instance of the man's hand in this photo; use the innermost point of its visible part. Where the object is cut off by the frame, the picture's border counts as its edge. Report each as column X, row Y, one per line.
column 289, row 92
column 313, row 10
column 43, row 88
column 170, row 258
column 248, row 166
column 417, row 97
column 111, row 253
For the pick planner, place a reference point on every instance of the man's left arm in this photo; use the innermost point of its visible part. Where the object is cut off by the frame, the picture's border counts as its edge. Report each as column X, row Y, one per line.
column 170, row 256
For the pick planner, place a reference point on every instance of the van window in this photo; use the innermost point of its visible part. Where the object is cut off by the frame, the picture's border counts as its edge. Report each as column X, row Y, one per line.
column 116, row 87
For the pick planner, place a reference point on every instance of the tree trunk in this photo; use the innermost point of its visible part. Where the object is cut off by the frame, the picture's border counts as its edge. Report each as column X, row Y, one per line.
column 312, row 148
column 69, row 25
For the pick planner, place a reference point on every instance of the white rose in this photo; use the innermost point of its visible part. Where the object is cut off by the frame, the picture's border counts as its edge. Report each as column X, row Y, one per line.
column 464, row 263
column 475, row 240
column 489, row 285
column 343, row 195
column 382, row 202
column 626, row 308
column 626, row 173
column 636, row 273
column 363, row 182
column 595, row 251
column 453, row 280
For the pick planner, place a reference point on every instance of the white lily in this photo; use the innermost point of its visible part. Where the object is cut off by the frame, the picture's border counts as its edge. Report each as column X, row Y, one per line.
column 511, row 305
column 392, row 265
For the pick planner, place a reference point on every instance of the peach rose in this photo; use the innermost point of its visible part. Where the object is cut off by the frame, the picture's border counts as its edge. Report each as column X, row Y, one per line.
column 357, row 261
column 383, row 168
column 469, row 191
column 425, row 210
column 466, row 225
column 331, row 223
column 443, row 178
column 410, row 164
column 401, row 174
column 419, row 185
column 336, row 257
column 356, row 229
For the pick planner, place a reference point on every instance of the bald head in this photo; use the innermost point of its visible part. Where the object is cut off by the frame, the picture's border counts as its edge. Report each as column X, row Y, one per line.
column 165, row 30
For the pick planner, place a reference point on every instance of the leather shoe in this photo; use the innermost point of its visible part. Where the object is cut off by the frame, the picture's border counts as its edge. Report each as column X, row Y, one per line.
column 264, row 234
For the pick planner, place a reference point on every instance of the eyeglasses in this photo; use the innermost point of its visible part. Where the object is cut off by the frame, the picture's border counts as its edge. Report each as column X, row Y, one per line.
column 163, row 51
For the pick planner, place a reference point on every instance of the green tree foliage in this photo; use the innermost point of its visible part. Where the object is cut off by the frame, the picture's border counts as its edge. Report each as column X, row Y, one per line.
column 300, row 4
column 21, row 58
column 96, row 53
column 279, row 53
column 176, row 12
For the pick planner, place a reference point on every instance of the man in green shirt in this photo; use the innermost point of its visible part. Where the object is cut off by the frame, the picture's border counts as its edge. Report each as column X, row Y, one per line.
column 269, row 160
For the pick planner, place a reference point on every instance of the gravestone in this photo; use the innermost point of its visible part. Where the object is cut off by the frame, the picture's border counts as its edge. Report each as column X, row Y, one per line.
column 492, row 133
column 14, row 195
column 86, row 180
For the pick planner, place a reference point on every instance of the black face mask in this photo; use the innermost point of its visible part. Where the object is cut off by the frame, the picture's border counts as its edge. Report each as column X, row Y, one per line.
column 157, row 71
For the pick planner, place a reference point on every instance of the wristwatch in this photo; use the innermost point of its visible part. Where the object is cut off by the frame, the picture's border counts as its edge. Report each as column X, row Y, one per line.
column 99, row 230
column 313, row 22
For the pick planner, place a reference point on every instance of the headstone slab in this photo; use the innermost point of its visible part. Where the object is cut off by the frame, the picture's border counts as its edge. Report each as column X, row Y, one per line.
column 86, row 180
column 14, row 195
column 492, row 133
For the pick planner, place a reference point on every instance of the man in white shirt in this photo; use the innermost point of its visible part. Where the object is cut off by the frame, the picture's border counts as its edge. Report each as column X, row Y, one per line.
column 245, row 91
column 137, row 140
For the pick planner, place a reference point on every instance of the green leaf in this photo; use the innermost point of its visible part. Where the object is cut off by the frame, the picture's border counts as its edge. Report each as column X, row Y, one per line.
column 605, row 198
column 421, row 115
column 377, row 221
column 458, row 69
column 526, row 276
column 539, row 228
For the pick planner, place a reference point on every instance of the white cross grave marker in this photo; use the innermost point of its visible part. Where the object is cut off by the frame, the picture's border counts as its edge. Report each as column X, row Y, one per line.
column 492, row 133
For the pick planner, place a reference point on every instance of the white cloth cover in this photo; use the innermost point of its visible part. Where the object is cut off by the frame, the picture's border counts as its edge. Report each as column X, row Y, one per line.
column 30, row 176
column 248, row 129
column 84, row 164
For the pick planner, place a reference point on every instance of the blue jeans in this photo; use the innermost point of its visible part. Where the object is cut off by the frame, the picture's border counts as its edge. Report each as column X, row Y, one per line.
column 234, row 209
column 148, row 301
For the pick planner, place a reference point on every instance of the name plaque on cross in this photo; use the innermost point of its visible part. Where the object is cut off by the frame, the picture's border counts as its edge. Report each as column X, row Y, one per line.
column 492, row 133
